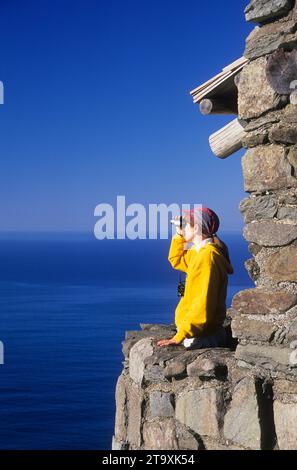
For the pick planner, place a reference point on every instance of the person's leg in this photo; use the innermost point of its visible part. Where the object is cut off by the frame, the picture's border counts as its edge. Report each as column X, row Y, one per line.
column 187, row 342
column 216, row 340
column 221, row 338
column 195, row 343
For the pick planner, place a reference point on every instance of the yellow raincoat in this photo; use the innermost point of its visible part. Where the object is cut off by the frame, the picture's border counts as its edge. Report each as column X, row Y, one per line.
column 202, row 309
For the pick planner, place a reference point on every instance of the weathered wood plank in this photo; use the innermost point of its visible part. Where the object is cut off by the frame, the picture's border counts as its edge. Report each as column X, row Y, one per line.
column 227, row 140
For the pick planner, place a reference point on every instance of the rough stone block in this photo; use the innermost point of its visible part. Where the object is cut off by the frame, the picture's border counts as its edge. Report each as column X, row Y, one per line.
column 140, row 351
column 266, row 168
column 281, row 265
column 285, row 419
column 213, row 365
column 284, row 134
column 168, row 434
column 177, row 367
column 292, row 159
column 271, row 232
column 259, row 207
column 263, row 301
column 285, row 390
column 118, row 445
column 292, row 331
column 121, row 417
column 258, row 137
column 161, row 404
column 267, row 120
column 263, row 10
column 255, row 95
column 256, row 330
column 268, row 357
column 252, row 268
column 287, row 212
column 271, row 36
column 135, row 404
column 241, row 424
column 200, row 410
column 211, row 444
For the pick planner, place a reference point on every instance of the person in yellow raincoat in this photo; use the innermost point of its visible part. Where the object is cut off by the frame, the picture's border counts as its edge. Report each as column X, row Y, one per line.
column 201, row 311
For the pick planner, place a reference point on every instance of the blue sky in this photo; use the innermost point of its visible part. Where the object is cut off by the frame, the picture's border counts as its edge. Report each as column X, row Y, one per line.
column 97, row 105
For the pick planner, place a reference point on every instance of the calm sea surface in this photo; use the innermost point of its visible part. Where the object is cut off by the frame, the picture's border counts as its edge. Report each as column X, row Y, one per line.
column 65, row 303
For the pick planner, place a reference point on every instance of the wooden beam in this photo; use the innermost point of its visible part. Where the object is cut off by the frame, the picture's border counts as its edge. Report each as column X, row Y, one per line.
column 227, row 140
column 223, row 105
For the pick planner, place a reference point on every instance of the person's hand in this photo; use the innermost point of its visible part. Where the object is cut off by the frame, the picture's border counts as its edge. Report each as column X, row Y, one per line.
column 177, row 227
column 166, row 342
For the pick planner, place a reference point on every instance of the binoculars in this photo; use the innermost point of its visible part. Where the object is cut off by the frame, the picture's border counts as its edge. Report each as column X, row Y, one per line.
column 181, row 222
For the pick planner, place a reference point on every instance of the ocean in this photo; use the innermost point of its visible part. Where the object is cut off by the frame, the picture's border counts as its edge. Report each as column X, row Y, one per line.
column 66, row 301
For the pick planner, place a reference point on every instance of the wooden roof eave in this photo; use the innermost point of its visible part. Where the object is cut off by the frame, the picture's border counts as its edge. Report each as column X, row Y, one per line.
column 219, row 96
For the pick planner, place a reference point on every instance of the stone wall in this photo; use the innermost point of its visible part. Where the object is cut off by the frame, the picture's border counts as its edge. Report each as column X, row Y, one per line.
column 171, row 398
column 265, row 317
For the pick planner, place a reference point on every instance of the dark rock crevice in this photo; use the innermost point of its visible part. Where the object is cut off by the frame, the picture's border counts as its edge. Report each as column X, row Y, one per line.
column 264, row 390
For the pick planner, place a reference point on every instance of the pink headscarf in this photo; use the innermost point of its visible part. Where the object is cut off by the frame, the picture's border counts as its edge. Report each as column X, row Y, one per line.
column 206, row 218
